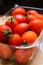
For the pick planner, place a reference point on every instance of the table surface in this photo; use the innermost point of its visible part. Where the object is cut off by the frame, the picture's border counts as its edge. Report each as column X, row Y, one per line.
column 37, row 60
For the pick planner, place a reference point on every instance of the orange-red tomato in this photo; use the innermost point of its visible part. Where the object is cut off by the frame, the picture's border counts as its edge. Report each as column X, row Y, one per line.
column 30, row 18
column 36, row 25
column 22, row 56
column 32, row 12
column 4, row 31
column 21, row 28
column 11, row 22
column 20, row 18
column 19, row 10
column 5, row 51
column 15, row 40
column 29, row 37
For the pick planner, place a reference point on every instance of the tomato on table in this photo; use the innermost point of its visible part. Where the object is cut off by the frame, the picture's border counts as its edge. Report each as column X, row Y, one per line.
column 21, row 28
column 19, row 10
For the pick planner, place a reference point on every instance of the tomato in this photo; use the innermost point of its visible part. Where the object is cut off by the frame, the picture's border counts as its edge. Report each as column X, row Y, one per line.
column 4, row 31
column 32, row 12
column 21, row 28
column 36, row 25
column 11, row 22
column 22, row 56
column 19, row 10
column 5, row 51
column 15, row 40
column 30, row 18
column 29, row 37
column 20, row 18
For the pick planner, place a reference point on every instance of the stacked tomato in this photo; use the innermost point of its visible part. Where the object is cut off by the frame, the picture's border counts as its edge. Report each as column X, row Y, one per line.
column 22, row 28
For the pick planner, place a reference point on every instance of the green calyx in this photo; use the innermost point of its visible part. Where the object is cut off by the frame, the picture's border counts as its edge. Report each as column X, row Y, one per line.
column 24, row 43
column 11, row 19
column 6, row 32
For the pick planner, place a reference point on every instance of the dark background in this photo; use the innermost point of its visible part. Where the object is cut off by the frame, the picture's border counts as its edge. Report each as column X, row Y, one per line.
column 5, row 5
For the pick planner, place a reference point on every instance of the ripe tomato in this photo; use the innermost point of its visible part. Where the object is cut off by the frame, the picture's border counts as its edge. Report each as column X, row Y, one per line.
column 11, row 22
column 32, row 12
column 21, row 28
column 36, row 25
column 4, row 31
column 19, row 10
column 30, row 18
column 5, row 51
column 20, row 18
column 29, row 37
column 15, row 40
column 22, row 56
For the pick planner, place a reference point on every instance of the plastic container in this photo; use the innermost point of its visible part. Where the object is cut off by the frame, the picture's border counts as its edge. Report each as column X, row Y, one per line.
column 39, row 41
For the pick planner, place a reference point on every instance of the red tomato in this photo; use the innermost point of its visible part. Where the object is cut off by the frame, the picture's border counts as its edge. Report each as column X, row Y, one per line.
column 20, row 18
column 32, row 12
column 21, row 28
column 19, row 10
column 30, row 18
column 36, row 25
column 11, row 22
column 29, row 37
column 4, row 31
column 5, row 51
column 15, row 40
column 22, row 56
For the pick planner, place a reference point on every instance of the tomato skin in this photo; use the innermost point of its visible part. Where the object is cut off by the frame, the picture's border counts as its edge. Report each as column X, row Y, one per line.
column 30, row 18
column 36, row 25
column 11, row 24
column 21, row 28
column 32, row 12
column 29, row 37
column 5, row 51
column 15, row 40
column 20, row 18
column 22, row 56
column 19, row 10
column 3, row 37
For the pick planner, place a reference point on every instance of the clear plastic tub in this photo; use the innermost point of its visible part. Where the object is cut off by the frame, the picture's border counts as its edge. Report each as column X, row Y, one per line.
column 39, row 41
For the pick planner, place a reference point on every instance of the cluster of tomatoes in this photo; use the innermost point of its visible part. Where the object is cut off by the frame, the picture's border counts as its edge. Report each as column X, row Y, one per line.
column 22, row 28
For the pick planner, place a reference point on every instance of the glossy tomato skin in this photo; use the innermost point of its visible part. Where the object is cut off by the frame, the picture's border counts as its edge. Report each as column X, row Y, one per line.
column 32, row 12
column 36, row 25
column 11, row 24
column 3, row 37
column 29, row 37
column 22, row 56
column 15, row 40
column 20, row 18
column 5, row 51
column 21, row 28
column 19, row 10
column 30, row 18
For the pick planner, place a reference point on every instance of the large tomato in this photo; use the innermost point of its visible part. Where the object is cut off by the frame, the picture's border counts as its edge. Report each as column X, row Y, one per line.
column 29, row 37
column 4, row 31
column 20, row 18
column 5, row 51
column 21, row 28
column 36, row 25
column 11, row 22
column 19, row 10
column 22, row 56
column 15, row 40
